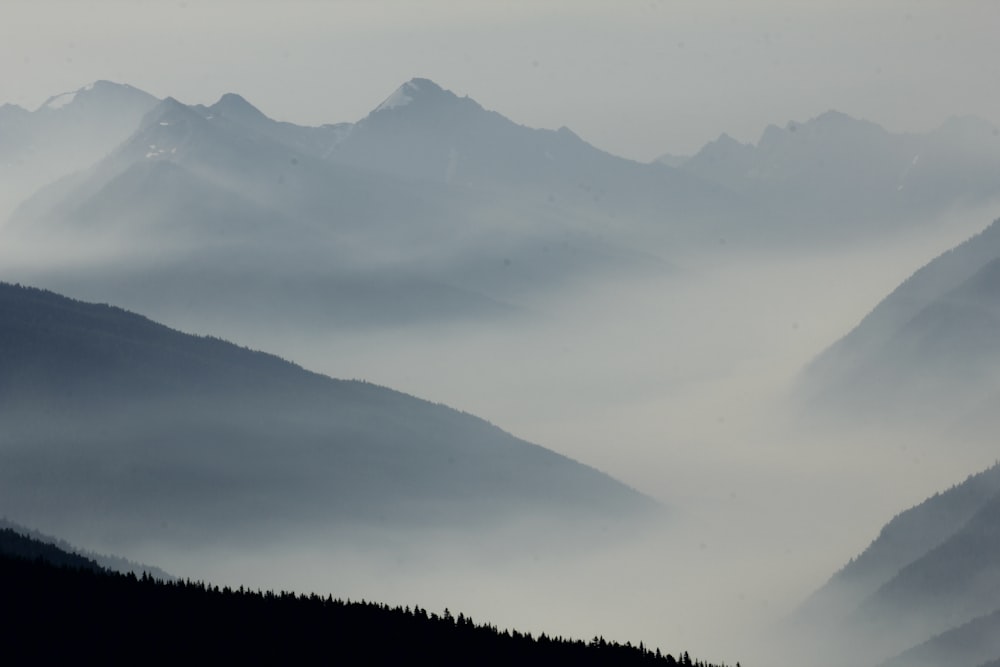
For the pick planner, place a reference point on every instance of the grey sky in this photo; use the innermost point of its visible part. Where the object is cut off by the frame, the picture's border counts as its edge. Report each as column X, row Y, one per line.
column 634, row 78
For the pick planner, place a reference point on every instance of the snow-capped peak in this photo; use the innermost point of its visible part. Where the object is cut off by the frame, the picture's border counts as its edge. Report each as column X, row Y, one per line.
column 400, row 97
column 59, row 101
column 103, row 88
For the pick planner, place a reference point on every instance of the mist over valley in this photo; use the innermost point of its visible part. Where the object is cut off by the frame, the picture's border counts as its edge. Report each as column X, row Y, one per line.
column 739, row 399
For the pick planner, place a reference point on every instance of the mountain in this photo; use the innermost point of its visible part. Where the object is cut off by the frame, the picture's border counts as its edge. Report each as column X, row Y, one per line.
column 973, row 644
column 213, row 206
column 841, row 178
column 112, row 617
column 200, row 202
column 17, row 540
column 425, row 133
column 950, row 585
column 316, row 141
column 929, row 350
column 68, row 132
column 929, row 577
column 119, row 427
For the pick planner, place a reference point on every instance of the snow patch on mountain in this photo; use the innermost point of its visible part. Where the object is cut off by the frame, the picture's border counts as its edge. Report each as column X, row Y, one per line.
column 400, row 97
column 59, row 101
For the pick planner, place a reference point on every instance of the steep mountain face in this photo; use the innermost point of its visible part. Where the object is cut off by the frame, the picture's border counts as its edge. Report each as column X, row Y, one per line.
column 119, row 427
column 836, row 175
column 68, row 132
column 929, row 350
column 932, row 575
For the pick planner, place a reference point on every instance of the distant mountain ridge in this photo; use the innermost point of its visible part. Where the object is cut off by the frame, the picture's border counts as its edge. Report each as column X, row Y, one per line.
column 220, row 192
column 841, row 173
column 795, row 178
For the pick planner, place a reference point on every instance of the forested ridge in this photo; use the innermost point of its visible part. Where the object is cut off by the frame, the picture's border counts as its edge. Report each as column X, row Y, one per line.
column 94, row 613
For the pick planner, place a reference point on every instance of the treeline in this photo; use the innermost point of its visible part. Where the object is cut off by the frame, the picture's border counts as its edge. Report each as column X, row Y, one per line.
column 65, row 612
column 18, row 545
column 55, row 550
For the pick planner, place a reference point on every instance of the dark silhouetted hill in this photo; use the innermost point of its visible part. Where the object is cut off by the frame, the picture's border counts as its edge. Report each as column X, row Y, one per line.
column 112, row 617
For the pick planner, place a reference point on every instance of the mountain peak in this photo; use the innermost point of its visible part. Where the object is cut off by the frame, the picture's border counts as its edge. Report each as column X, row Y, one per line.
column 835, row 124
column 170, row 104
column 169, row 111
column 97, row 89
column 834, row 116
column 413, row 89
column 725, row 145
column 236, row 107
column 727, row 140
column 13, row 109
column 63, row 99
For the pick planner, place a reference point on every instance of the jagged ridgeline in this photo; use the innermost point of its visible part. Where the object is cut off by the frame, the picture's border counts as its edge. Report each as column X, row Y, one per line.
column 117, row 426
column 430, row 208
column 112, row 616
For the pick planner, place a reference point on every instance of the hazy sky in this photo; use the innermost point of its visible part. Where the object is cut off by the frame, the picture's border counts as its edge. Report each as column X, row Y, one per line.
column 637, row 78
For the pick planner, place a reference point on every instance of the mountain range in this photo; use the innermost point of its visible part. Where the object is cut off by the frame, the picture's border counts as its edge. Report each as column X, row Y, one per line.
column 842, row 178
column 432, row 208
column 120, row 431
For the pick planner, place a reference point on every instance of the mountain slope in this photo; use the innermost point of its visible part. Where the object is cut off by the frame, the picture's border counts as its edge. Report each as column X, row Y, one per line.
column 930, row 577
column 68, row 132
column 969, row 645
column 119, row 425
column 949, row 585
column 902, row 541
column 25, row 542
column 929, row 350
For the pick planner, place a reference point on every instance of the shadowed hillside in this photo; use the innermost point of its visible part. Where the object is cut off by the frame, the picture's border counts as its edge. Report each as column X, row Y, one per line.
column 137, row 431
